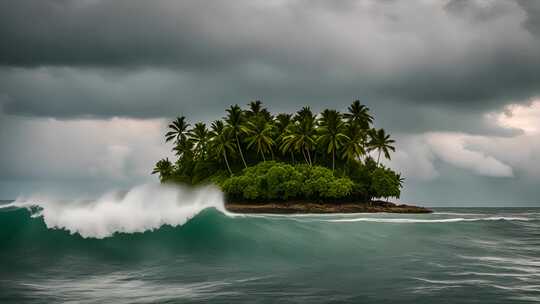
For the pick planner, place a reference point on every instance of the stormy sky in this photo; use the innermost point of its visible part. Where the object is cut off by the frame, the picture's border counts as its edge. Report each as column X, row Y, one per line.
column 87, row 86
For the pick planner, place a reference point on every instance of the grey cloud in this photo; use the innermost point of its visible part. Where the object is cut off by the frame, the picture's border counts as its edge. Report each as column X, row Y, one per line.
column 81, row 58
column 532, row 22
column 71, row 93
column 457, row 187
column 479, row 10
column 50, row 149
column 421, row 66
column 440, row 170
column 102, row 33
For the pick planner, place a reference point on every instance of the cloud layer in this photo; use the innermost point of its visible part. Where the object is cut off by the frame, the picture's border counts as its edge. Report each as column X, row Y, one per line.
column 456, row 81
column 146, row 58
column 88, row 152
column 485, row 167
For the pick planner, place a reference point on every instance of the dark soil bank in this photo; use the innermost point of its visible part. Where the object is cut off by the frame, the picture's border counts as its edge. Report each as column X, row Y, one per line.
column 301, row 207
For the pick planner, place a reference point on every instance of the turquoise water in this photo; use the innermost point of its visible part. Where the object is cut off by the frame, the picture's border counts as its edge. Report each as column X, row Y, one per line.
column 481, row 255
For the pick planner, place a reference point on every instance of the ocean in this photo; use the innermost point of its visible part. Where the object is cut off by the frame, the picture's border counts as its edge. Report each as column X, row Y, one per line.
column 163, row 245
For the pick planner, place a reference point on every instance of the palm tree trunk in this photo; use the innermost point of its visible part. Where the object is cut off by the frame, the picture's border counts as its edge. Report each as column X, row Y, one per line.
column 378, row 157
column 264, row 159
column 305, row 157
column 333, row 159
column 240, row 149
column 292, row 157
column 227, row 162
column 309, row 157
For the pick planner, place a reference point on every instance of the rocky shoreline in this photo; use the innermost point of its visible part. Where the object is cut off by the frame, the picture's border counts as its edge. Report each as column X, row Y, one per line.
column 301, row 207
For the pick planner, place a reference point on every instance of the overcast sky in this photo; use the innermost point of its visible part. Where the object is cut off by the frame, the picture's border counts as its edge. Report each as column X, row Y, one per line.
column 86, row 86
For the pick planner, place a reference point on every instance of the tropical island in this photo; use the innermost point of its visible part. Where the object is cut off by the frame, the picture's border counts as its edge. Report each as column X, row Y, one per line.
column 288, row 163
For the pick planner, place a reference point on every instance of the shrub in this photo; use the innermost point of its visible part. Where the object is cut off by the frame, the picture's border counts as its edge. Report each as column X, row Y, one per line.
column 385, row 183
column 277, row 178
column 202, row 170
column 338, row 188
column 280, row 181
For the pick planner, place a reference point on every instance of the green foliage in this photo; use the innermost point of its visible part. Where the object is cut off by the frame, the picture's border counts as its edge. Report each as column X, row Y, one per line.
column 301, row 136
column 221, row 143
column 202, row 170
column 280, row 181
column 354, row 143
column 260, row 136
column 235, row 125
column 253, row 155
column 331, row 133
column 164, row 168
column 177, row 129
column 385, row 183
column 358, row 115
column 381, row 142
column 200, row 136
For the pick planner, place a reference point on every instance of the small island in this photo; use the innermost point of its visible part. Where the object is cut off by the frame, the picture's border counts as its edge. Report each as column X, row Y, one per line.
column 288, row 163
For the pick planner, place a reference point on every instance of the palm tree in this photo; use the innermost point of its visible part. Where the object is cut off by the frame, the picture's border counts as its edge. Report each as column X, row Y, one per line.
column 282, row 121
column 353, row 146
column 266, row 115
column 381, row 142
column 304, row 113
column 260, row 136
column 177, row 129
column 221, row 142
column 401, row 180
column 184, row 148
column 255, row 108
column 164, row 168
column 331, row 135
column 301, row 137
column 200, row 135
column 235, row 124
column 359, row 114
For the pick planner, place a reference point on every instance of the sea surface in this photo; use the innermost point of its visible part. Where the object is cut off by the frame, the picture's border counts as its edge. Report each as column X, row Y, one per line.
column 162, row 245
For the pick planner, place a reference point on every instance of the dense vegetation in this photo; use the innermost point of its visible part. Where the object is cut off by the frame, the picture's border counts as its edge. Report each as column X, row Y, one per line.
column 254, row 155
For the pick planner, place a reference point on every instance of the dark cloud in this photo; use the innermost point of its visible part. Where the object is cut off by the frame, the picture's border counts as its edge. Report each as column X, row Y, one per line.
column 478, row 10
column 421, row 66
column 532, row 22
column 151, row 58
column 100, row 33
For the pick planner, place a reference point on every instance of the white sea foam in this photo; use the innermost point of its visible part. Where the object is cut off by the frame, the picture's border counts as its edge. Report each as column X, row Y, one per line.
column 7, row 206
column 501, row 260
column 142, row 208
column 495, row 274
column 125, row 287
column 453, row 282
column 529, row 288
column 448, row 220
column 458, row 213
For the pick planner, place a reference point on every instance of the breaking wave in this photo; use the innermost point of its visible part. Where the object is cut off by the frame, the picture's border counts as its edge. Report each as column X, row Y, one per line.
column 149, row 207
column 158, row 243
column 142, row 208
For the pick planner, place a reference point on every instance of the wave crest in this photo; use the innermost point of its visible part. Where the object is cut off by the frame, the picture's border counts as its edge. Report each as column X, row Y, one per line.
column 142, row 208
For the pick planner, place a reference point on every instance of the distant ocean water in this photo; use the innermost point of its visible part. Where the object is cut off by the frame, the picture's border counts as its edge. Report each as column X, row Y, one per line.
column 455, row 255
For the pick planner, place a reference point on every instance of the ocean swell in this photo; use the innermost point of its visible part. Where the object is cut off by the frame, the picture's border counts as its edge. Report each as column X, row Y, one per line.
column 492, row 255
column 142, row 208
